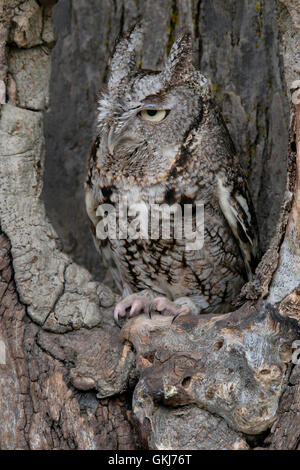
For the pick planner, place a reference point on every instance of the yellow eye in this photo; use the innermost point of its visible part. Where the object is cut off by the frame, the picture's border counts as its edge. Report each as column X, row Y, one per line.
column 153, row 115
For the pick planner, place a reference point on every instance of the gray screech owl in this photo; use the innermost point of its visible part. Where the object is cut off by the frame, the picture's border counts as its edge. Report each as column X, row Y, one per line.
column 162, row 140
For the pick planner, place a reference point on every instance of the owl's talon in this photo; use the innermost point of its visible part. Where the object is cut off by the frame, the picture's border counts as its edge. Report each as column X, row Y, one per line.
column 120, row 311
column 136, row 307
column 116, row 317
column 184, row 310
column 150, row 311
column 176, row 316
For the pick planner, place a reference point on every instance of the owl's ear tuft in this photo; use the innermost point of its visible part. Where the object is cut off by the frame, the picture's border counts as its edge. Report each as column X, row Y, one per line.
column 123, row 60
column 179, row 61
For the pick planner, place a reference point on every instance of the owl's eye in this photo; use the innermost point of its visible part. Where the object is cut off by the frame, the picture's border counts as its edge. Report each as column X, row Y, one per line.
column 153, row 115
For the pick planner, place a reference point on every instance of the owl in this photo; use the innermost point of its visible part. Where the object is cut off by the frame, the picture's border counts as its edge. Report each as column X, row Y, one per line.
column 162, row 141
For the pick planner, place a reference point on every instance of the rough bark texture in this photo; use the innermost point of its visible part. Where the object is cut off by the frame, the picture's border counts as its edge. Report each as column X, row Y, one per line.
column 67, row 378
column 39, row 406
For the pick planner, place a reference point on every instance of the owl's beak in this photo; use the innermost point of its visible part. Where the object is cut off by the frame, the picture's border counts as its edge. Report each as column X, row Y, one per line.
column 114, row 140
column 110, row 141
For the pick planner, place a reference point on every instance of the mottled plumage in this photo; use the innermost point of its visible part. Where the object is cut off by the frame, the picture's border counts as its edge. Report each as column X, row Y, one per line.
column 186, row 157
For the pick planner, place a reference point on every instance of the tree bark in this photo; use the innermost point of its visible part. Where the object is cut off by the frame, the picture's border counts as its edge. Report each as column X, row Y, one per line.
column 68, row 378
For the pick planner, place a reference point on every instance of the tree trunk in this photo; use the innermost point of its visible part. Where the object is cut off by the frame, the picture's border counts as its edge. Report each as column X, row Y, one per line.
column 68, row 378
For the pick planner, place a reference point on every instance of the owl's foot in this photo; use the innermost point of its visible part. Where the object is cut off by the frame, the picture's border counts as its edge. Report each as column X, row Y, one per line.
column 133, row 304
column 136, row 304
column 167, row 307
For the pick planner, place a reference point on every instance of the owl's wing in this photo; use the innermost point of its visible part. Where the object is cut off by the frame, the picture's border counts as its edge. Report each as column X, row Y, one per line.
column 103, row 246
column 236, row 205
column 92, row 204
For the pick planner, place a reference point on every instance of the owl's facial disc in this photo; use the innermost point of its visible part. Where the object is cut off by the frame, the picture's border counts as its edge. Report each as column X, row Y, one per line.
column 150, row 125
column 115, row 140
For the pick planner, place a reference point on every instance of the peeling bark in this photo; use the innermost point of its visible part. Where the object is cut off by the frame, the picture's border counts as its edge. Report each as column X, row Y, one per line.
column 68, row 379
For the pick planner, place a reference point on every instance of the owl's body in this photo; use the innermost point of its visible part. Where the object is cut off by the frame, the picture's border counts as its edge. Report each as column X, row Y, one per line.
column 184, row 158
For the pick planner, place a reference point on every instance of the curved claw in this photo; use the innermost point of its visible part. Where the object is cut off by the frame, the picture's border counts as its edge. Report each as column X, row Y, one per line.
column 149, row 311
column 116, row 316
column 183, row 311
column 174, row 318
column 136, row 307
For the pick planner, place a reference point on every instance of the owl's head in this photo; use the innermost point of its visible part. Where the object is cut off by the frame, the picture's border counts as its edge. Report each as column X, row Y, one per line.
column 145, row 116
